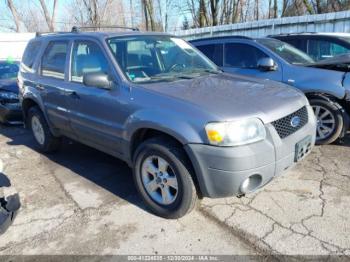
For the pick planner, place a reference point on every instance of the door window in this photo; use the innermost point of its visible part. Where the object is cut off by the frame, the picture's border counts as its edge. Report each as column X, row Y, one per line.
column 215, row 52
column 322, row 49
column 87, row 58
column 242, row 56
column 54, row 60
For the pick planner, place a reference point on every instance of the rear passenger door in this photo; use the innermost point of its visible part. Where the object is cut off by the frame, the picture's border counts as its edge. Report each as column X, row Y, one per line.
column 51, row 83
column 96, row 114
column 242, row 58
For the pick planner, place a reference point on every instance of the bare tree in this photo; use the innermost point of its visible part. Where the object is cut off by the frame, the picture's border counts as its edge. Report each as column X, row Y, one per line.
column 203, row 16
column 15, row 15
column 94, row 13
column 49, row 18
column 214, row 11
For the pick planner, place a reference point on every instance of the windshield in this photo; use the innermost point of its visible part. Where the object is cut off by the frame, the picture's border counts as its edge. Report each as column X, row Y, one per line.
column 159, row 58
column 287, row 52
column 8, row 70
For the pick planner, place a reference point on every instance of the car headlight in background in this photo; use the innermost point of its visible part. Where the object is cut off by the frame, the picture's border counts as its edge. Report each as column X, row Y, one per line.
column 8, row 95
column 235, row 133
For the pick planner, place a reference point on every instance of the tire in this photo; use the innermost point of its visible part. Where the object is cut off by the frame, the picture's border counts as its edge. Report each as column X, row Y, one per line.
column 48, row 142
column 152, row 153
column 332, row 119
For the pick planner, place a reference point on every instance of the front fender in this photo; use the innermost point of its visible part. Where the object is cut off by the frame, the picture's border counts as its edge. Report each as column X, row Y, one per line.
column 316, row 80
column 182, row 129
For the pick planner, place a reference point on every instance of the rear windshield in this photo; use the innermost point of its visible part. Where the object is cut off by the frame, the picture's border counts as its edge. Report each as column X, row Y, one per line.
column 31, row 53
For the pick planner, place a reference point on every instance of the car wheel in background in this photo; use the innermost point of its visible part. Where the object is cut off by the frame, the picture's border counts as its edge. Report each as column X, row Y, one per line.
column 46, row 141
column 330, row 120
column 162, row 175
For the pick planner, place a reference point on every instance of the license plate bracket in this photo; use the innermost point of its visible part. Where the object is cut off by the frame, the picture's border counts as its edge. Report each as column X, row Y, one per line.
column 303, row 148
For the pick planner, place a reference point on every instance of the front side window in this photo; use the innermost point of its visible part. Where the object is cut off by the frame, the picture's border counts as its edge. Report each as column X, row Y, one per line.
column 287, row 52
column 54, row 60
column 323, row 49
column 242, row 55
column 214, row 52
column 158, row 58
column 87, row 58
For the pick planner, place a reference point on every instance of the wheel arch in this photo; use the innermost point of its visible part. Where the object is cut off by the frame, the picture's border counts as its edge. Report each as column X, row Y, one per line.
column 29, row 102
column 142, row 134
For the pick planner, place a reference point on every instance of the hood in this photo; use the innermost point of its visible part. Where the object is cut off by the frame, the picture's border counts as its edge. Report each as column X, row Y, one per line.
column 9, row 85
column 338, row 63
column 232, row 97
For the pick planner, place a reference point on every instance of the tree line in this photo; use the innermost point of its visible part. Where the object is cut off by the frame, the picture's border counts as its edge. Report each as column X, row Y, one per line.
column 153, row 15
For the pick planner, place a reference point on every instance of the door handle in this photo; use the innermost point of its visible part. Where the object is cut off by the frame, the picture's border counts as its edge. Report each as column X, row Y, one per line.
column 72, row 94
column 40, row 87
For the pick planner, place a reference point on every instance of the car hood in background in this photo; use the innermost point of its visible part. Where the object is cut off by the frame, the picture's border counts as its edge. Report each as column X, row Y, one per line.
column 9, row 85
column 338, row 63
column 232, row 97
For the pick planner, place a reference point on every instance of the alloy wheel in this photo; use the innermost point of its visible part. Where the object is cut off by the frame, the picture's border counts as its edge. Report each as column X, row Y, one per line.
column 159, row 180
column 325, row 122
column 38, row 130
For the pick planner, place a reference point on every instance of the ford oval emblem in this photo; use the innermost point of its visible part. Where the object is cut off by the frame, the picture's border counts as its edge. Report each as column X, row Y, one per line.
column 295, row 121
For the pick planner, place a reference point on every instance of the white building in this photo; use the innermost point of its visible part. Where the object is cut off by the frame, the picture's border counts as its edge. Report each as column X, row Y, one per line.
column 12, row 45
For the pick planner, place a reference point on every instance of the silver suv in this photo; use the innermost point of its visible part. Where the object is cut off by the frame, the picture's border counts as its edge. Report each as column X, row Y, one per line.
column 184, row 127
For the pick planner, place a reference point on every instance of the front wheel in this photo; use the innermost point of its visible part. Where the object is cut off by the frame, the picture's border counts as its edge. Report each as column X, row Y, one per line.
column 163, row 178
column 330, row 121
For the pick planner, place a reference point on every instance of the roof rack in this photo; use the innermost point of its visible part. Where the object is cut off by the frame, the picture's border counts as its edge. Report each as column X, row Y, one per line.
column 37, row 34
column 221, row 37
column 76, row 29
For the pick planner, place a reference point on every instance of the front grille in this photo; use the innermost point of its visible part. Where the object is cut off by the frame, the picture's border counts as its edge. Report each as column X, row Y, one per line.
column 284, row 125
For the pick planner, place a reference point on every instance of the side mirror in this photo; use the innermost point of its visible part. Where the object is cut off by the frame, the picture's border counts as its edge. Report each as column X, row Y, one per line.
column 267, row 64
column 99, row 79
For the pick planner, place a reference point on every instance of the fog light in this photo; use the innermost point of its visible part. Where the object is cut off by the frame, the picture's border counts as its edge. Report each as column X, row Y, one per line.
column 251, row 183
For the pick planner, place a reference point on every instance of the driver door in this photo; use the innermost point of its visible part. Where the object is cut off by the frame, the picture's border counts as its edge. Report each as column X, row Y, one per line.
column 242, row 58
column 96, row 114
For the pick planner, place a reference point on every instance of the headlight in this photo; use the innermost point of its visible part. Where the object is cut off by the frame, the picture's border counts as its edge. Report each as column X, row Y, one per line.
column 235, row 133
column 8, row 95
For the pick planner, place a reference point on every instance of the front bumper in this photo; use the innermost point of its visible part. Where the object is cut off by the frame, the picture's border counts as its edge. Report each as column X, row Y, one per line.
column 10, row 113
column 221, row 170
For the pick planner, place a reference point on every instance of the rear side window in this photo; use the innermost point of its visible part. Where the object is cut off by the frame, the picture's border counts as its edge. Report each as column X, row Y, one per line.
column 31, row 53
column 215, row 52
column 54, row 59
column 242, row 56
column 322, row 49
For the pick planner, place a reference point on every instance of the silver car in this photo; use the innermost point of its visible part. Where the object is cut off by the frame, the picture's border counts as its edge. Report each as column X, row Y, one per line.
column 184, row 127
column 326, row 84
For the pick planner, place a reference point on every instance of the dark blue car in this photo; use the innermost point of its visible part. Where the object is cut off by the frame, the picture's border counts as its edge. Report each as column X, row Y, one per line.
column 10, row 109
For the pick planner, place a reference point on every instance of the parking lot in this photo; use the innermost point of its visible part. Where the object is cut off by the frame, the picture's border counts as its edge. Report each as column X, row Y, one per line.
column 81, row 201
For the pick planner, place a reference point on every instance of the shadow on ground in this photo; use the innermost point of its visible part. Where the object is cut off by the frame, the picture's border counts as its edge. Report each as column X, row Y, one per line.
column 103, row 170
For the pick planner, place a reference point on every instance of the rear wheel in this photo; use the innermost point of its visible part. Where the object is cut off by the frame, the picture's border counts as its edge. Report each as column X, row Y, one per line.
column 46, row 141
column 163, row 178
column 330, row 121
